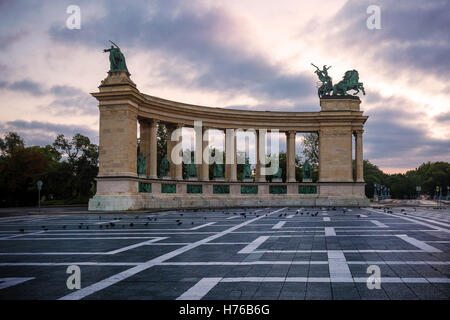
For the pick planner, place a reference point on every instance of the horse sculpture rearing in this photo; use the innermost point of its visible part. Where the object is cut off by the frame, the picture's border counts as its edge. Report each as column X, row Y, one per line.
column 349, row 82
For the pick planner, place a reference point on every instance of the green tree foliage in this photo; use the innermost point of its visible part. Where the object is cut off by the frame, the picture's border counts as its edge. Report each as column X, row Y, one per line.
column 67, row 168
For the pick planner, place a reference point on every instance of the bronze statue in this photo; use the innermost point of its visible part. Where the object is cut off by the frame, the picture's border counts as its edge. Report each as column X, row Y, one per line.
column 327, row 83
column 247, row 172
column 218, row 170
column 164, row 167
column 306, row 172
column 116, row 58
column 141, row 163
column 191, row 169
column 349, row 82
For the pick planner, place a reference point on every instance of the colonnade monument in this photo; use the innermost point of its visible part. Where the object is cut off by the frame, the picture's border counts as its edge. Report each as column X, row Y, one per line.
column 129, row 180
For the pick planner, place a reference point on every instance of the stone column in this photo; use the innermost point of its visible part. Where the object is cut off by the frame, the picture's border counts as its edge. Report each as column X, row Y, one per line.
column 260, row 155
column 359, row 156
column 233, row 166
column 118, row 141
column 290, row 159
column 179, row 167
column 144, row 146
column 153, row 149
column 335, row 154
column 170, row 129
column 198, row 154
column 205, row 164
column 229, row 153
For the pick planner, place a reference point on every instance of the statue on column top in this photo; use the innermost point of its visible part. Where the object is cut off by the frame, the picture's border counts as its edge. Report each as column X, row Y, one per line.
column 116, row 58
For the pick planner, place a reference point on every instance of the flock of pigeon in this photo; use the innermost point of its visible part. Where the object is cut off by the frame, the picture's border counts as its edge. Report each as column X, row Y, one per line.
column 179, row 222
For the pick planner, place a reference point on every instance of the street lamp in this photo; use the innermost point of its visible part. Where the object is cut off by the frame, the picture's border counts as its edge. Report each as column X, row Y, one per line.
column 39, row 186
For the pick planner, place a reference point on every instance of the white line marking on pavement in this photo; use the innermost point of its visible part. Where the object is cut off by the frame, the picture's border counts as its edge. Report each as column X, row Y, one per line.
column 290, row 216
column 86, row 291
column 363, row 216
column 329, row 231
column 21, row 235
column 200, row 289
column 202, row 226
column 9, row 282
column 326, row 279
column 254, row 245
column 411, row 220
column 417, row 243
column 107, row 222
column 133, row 246
column 338, row 266
column 378, row 223
column 326, row 219
column 279, row 225
column 233, row 217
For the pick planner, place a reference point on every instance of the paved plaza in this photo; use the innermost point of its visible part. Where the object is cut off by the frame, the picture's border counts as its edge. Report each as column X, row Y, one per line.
column 264, row 253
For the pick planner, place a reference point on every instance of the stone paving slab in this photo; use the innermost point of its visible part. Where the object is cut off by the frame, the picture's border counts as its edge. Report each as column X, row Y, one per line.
column 227, row 254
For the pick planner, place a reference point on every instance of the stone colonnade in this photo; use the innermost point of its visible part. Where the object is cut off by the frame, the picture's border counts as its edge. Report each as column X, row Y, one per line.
column 119, row 187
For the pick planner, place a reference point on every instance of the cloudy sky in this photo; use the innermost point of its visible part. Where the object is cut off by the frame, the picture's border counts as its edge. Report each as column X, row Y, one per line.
column 248, row 54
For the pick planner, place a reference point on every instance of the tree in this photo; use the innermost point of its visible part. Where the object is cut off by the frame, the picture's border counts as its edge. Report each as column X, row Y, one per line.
column 11, row 142
column 311, row 148
column 82, row 157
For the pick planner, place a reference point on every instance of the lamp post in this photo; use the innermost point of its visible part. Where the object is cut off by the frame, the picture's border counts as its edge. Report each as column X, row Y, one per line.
column 39, row 187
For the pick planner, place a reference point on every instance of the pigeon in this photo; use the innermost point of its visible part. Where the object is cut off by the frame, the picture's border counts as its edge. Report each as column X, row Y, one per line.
column 42, row 227
column 177, row 220
column 100, row 226
column 146, row 224
column 359, row 216
column 179, row 223
column 45, row 229
column 280, row 215
column 79, row 227
column 21, row 230
column 181, row 214
column 64, row 227
column 99, row 217
column 87, row 227
column 301, row 213
column 131, row 224
column 112, row 224
column 192, row 222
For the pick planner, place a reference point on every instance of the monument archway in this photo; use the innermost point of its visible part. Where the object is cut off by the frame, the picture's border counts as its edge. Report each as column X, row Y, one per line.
column 127, row 180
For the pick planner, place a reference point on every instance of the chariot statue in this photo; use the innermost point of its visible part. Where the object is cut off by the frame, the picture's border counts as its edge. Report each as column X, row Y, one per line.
column 349, row 82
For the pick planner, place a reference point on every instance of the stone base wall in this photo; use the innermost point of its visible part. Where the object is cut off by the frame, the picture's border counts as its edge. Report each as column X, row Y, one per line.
column 171, row 194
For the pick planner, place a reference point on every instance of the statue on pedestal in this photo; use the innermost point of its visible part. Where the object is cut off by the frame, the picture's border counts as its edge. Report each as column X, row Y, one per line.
column 116, row 58
column 327, row 83
column 277, row 176
column 164, row 167
column 218, row 171
column 306, row 172
column 247, row 175
column 349, row 82
column 191, row 169
column 141, row 164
